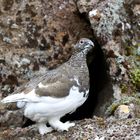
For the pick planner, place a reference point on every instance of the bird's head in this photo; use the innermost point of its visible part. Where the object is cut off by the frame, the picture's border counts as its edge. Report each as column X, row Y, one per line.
column 84, row 45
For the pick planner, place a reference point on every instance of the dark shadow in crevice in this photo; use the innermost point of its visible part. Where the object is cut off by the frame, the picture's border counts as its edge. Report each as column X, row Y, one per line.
column 101, row 92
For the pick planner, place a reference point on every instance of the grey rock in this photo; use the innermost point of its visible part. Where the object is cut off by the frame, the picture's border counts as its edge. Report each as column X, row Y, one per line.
column 7, row 40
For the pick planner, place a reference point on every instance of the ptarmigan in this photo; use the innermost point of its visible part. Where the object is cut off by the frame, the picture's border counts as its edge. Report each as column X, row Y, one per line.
column 59, row 92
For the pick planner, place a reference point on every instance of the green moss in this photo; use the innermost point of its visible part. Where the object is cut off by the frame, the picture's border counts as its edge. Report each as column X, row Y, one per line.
column 130, row 50
column 135, row 77
column 124, row 88
column 111, row 109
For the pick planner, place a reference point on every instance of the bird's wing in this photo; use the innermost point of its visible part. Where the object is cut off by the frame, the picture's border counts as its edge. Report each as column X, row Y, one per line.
column 56, row 86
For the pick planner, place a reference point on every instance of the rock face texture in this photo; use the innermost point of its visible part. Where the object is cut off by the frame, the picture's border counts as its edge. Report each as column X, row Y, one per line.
column 37, row 35
column 115, row 25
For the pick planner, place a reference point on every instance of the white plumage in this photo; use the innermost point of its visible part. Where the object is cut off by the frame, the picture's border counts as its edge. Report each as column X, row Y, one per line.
column 62, row 91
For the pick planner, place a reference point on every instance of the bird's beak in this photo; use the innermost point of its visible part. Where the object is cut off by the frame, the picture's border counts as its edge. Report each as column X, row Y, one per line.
column 90, row 43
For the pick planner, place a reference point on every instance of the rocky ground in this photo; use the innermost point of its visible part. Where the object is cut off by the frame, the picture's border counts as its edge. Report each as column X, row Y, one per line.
column 36, row 36
column 87, row 129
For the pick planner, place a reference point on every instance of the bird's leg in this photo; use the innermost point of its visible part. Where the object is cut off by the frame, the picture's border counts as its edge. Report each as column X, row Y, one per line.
column 60, row 126
column 43, row 129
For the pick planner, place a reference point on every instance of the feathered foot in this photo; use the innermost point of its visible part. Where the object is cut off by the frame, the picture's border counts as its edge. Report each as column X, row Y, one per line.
column 60, row 126
column 43, row 129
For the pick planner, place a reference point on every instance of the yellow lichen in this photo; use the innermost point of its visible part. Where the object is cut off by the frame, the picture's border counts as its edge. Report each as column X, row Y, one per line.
column 124, row 108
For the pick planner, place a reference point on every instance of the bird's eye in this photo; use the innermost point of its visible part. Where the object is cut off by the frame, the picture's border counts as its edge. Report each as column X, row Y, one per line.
column 81, row 42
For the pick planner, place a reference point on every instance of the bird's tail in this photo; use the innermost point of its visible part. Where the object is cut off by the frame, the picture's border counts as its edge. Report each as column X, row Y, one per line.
column 14, row 98
column 19, row 97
